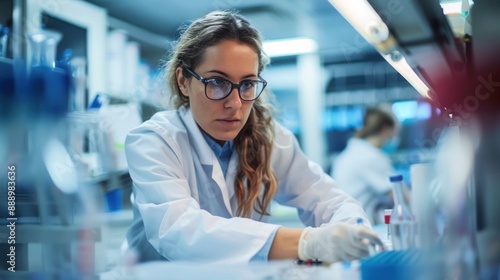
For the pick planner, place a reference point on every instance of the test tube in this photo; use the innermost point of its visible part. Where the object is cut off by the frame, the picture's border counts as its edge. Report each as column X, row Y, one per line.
column 387, row 222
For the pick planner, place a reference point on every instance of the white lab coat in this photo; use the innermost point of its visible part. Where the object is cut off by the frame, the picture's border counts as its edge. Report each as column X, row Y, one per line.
column 171, row 165
column 363, row 171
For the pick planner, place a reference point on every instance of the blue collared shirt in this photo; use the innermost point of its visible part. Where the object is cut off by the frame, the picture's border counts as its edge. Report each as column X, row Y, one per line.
column 223, row 153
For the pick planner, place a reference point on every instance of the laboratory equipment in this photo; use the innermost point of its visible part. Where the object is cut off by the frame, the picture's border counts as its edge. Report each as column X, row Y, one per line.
column 454, row 214
column 84, row 141
column 48, row 85
column 6, row 98
column 4, row 40
column 410, row 264
column 403, row 223
column 43, row 47
column 387, row 222
column 54, row 211
column 427, row 202
column 78, row 96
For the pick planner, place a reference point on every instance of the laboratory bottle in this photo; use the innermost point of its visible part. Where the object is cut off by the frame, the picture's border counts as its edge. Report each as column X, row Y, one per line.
column 78, row 65
column 403, row 223
column 48, row 92
column 4, row 40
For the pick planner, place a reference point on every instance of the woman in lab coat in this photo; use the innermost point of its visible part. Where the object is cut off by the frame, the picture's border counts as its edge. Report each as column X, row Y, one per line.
column 363, row 168
column 204, row 174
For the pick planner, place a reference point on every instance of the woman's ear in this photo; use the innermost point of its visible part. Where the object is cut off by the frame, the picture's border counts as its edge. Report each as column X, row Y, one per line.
column 182, row 81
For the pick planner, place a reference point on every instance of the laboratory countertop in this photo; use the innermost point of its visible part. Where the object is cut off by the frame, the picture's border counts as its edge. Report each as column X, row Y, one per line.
column 273, row 270
column 409, row 264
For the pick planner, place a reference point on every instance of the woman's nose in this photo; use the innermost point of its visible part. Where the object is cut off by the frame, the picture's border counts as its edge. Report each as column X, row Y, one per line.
column 233, row 100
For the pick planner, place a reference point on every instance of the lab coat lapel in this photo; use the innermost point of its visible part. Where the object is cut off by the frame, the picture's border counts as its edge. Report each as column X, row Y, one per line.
column 198, row 143
column 231, row 173
column 218, row 177
column 230, row 178
column 207, row 156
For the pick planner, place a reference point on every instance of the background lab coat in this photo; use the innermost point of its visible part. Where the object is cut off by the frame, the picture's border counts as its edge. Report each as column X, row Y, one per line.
column 363, row 171
column 172, row 167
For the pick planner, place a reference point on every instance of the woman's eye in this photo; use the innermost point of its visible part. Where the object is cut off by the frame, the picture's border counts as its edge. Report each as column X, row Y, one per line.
column 218, row 82
column 247, row 84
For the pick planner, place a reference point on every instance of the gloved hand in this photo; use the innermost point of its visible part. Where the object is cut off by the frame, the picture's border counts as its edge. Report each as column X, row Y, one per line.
column 336, row 242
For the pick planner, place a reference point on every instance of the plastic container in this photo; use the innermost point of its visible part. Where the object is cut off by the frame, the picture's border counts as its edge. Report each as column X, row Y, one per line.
column 114, row 199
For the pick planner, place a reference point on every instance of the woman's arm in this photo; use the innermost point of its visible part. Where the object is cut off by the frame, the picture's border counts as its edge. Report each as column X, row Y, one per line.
column 330, row 243
column 285, row 244
column 304, row 185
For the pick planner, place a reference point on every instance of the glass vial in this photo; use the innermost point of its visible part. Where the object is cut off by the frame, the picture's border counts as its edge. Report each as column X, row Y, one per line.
column 403, row 223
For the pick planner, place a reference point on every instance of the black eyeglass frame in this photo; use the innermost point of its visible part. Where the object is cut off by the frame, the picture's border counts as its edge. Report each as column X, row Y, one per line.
column 233, row 85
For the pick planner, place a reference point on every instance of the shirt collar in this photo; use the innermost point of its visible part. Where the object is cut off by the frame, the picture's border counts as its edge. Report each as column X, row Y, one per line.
column 220, row 151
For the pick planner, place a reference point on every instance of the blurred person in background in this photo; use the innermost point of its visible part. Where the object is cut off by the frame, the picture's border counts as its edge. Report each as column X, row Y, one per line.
column 363, row 168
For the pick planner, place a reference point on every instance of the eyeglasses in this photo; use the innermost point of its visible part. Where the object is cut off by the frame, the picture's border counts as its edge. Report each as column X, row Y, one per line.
column 220, row 88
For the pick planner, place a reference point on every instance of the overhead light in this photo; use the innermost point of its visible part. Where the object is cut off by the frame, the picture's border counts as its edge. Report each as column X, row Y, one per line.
column 451, row 8
column 398, row 62
column 458, row 14
column 292, row 46
column 361, row 15
column 456, row 7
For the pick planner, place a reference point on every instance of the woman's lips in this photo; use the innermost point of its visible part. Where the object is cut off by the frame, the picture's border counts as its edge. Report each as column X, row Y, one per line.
column 229, row 122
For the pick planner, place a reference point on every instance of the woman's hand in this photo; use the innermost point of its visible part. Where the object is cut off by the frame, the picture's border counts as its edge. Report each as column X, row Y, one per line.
column 336, row 242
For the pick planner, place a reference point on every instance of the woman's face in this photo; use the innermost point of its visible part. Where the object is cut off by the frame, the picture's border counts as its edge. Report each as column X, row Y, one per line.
column 234, row 61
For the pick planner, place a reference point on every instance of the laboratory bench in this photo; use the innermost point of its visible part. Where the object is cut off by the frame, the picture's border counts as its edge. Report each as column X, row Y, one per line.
column 412, row 264
column 113, row 234
column 273, row 270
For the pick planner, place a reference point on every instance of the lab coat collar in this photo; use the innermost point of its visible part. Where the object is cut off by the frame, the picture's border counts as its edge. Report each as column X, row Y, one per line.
column 199, row 144
column 208, row 157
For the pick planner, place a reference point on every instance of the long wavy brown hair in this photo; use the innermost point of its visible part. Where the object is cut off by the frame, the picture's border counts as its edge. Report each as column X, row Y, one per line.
column 255, row 183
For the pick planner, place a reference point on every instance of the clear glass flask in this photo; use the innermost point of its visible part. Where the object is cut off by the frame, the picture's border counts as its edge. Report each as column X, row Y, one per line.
column 43, row 47
column 48, row 89
column 403, row 223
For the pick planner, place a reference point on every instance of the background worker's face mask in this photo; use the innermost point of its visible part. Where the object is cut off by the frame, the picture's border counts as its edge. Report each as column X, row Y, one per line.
column 391, row 145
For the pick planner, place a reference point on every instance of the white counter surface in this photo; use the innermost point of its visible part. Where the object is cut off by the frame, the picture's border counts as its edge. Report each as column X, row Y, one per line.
column 273, row 270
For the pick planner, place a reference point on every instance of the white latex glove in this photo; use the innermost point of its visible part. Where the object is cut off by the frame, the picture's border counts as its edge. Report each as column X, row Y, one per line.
column 336, row 242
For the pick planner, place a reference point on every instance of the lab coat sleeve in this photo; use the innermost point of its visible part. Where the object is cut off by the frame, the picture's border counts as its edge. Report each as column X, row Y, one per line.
column 173, row 222
column 303, row 184
column 263, row 253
